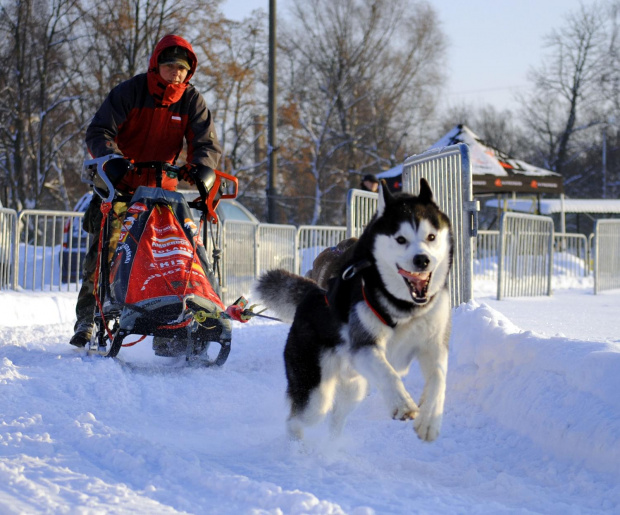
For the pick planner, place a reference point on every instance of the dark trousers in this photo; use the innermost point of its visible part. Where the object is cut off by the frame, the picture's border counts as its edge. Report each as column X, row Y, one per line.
column 86, row 303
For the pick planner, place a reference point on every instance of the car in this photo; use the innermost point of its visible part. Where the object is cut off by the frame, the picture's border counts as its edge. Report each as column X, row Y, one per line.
column 74, row 248
column 227, row 209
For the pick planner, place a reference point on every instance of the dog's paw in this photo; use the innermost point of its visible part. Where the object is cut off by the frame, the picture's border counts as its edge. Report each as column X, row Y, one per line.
column 294, row 430
column 407, row 411
column 427, row 426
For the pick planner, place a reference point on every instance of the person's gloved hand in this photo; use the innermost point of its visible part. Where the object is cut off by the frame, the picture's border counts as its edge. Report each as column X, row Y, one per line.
column 187, row 173
column 116, row 168
column 204, row 177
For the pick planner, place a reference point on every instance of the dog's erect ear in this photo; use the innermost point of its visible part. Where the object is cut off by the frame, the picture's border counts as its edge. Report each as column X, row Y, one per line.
column 425, row 195
column 385, row 197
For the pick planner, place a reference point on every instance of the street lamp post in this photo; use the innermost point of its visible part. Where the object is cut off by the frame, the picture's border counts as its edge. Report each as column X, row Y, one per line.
column 272, row 192
column 604, row 159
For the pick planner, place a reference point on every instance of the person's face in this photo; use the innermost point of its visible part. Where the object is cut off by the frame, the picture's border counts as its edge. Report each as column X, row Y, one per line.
column 371, row 186
column 172, row 73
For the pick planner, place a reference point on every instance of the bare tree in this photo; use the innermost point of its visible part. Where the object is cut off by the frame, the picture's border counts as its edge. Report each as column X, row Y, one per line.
column 121, row 35
column 567, row 99
column 500, row 129
column 234, row 78
column 39, row 125
column 361, row 79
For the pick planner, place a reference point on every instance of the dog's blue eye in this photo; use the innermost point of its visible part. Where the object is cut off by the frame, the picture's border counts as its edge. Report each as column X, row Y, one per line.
column 401, row 240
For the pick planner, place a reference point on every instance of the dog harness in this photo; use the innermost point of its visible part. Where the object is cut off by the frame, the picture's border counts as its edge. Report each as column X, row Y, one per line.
column 380, row 314
column 353, row 270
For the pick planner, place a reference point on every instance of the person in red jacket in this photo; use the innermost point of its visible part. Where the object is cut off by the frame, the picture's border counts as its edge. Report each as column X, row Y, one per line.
column 146, row 118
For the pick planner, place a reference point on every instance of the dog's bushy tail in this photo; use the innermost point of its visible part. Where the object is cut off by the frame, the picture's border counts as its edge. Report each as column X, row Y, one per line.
column 282, row 291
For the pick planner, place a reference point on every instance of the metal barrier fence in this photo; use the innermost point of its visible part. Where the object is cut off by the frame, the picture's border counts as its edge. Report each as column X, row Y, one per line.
column 361, row 207
column 312, row 240
column 486, row 255
column 52, row 247
column 249, row 249
column 448, row 172
column 526, row 255
column 276, row 247
column 44, row 250
column 239, row 259
column 48, row 252
column 606, row 255
column 571, row 256
column 8, row 249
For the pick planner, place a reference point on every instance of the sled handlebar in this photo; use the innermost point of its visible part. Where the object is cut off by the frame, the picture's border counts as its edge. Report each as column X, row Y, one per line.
column 93, row 173
column 216, row 192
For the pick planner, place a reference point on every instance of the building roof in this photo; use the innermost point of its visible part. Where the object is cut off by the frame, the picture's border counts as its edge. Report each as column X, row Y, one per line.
column 550, row 206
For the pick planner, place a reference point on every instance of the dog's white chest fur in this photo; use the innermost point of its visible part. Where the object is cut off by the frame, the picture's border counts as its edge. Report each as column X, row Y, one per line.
column 405, row 342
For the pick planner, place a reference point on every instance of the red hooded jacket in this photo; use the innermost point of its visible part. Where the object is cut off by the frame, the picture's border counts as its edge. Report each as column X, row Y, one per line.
column 146, row 119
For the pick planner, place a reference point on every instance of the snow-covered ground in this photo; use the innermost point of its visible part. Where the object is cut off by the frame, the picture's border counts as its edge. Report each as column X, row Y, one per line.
column 532, row 422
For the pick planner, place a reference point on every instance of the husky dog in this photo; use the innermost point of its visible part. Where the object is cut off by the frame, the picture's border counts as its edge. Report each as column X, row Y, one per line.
column 388, row 306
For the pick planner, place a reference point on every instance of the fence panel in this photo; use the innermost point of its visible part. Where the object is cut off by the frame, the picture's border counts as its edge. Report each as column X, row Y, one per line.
column 8, row 248
column 312, row 240
column 526, row 255
column 276, row 248
column 486, row 255
column 606, row 255
column 361, row 207
column 448, row 171
column 239, row 259
column 51, row 249
column 571, row 256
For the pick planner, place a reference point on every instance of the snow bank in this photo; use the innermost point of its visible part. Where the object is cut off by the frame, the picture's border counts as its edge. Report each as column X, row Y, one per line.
column 560, row 393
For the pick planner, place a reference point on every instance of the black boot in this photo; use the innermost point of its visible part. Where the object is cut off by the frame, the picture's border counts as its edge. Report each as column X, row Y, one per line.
column 83, row 333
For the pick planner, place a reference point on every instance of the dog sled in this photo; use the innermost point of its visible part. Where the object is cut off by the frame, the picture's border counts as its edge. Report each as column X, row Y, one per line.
column 159, row 282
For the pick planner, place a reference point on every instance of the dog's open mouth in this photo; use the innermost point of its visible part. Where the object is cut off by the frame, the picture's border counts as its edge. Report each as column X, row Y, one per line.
column 417, row 282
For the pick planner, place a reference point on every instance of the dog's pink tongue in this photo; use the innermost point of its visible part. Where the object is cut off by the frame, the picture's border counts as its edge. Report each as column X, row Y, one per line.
column 419, row 279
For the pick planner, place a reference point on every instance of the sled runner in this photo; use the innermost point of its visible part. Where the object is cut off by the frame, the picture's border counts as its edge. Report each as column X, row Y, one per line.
column 159, row 281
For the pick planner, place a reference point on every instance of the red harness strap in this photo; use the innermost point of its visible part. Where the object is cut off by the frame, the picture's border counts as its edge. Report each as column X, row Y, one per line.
column 377, row 314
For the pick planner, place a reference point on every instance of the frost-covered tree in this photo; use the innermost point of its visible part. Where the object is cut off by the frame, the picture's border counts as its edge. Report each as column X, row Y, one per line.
column 574, row 95
column 234, row 78
column 359, row 82
column 39, row 118
column 498, row 128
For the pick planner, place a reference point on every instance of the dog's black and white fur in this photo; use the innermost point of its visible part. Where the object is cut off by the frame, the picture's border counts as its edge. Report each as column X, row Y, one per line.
column 389, row 306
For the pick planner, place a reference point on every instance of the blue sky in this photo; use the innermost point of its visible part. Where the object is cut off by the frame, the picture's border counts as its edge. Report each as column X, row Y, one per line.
column 492, row 43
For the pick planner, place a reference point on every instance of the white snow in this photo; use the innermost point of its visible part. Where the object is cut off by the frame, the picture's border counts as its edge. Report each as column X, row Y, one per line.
column 531, row 425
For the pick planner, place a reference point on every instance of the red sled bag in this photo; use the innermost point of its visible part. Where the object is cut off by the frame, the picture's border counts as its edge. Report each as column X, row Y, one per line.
column 160, row 262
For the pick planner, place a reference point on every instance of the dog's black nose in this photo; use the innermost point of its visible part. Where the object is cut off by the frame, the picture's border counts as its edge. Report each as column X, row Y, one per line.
column 421, row 261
